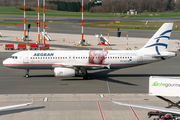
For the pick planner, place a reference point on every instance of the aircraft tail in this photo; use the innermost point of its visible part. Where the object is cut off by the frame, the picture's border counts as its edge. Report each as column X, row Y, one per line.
column 159, row 41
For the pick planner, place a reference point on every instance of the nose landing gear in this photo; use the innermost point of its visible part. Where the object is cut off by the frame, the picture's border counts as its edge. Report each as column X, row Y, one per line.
column 27, row 73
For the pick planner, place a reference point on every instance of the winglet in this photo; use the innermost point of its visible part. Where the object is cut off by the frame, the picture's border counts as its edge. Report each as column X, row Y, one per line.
column 29, row 103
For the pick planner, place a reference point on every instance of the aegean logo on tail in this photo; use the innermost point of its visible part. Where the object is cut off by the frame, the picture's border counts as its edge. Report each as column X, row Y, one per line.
column 160, row 44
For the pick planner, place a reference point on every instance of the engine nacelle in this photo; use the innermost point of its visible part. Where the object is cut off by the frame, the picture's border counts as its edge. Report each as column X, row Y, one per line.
column 65, row 72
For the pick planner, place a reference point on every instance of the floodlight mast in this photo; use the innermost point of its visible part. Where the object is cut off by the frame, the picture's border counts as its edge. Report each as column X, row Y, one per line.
column 38, row 25
column 44, row 22
column 24, row 21
column 82, row 21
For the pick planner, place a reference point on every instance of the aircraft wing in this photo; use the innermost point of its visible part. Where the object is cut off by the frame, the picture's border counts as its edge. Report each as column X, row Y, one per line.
column 144, row 106
column 93, row 65
column 14, row 106
column 81, row 65
column 149, row 107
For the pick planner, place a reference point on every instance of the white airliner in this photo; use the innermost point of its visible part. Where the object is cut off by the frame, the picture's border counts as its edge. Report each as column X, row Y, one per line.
column 69, row 63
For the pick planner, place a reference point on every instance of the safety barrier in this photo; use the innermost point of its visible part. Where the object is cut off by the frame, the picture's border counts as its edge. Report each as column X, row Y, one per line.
column 102, row 25
column 111, row 22
column 19, row 24
column 120, row 32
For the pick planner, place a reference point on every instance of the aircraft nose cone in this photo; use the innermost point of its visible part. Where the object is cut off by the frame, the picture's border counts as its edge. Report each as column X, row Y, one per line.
column 4, row 62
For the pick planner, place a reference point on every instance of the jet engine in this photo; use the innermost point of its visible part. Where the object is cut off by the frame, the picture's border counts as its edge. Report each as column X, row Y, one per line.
column 65, row 72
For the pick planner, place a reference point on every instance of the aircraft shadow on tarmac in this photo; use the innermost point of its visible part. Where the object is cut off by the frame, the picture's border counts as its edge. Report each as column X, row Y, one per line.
column 112, row 44
column 6, row 112
column 104, row 76
column 145, row 75
column 31, row 76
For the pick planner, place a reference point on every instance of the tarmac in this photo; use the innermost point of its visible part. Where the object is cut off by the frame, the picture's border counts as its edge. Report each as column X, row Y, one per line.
column 77, row 106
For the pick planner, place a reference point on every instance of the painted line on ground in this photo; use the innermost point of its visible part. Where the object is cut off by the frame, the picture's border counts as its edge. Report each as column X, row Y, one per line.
column 99, row 106
column 133, row 112
column 34, row 99
column 113, row 95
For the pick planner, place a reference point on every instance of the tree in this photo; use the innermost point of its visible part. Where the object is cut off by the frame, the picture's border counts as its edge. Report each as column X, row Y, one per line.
column 168, row 5
column 177, row 6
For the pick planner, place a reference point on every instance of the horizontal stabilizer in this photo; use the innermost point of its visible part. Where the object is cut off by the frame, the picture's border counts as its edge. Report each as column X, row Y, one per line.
column 165, row 55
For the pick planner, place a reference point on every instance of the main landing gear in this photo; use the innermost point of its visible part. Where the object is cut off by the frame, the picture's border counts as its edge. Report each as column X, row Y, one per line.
column 84, row 74
column 27, row 73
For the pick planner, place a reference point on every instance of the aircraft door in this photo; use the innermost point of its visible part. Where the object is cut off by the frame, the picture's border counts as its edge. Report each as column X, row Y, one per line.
column 139, row 58
column 26, row 58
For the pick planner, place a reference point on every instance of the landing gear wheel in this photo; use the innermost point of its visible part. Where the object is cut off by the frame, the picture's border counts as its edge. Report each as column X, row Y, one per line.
column 26, row 75
column 85, row 77
column 84, row 74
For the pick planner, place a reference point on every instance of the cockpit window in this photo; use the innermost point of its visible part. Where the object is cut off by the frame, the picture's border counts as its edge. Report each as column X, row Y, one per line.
column 13, row 57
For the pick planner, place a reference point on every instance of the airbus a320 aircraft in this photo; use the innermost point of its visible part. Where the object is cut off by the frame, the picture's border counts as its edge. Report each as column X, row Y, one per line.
column 69, row 63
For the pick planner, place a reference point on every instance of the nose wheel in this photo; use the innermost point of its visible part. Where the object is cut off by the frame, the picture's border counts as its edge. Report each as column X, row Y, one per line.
column 85, row 77
column 27, row 73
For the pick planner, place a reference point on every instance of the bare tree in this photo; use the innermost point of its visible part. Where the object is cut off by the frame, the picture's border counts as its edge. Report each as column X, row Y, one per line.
column 177, row 6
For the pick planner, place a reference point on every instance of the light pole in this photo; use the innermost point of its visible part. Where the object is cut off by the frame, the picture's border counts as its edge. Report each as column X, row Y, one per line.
column 38, row 25
column 82, row 22
column 24, row 21
column 44, row 22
